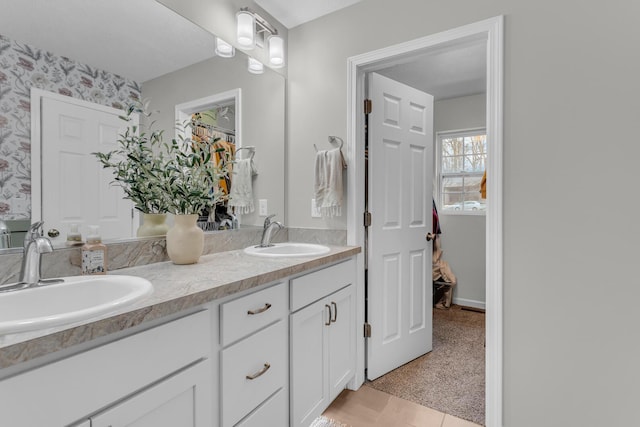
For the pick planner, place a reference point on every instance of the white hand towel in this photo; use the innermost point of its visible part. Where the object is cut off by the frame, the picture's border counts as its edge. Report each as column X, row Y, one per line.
column 328, row 182
column 241, row 194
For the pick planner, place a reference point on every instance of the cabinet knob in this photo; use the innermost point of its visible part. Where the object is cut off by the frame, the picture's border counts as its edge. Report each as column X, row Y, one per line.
column 335, row 311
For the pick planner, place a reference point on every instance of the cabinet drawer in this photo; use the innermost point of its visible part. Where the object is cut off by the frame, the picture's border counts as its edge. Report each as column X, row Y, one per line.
column 274, row 412
column 245, row 315
column 250, row 357
column 313, row 286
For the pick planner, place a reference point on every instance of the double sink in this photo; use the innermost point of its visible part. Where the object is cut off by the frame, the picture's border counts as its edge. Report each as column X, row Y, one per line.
column 78, row 298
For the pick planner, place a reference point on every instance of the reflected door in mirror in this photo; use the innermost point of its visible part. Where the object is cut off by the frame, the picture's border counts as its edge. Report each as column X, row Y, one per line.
column 75, row 187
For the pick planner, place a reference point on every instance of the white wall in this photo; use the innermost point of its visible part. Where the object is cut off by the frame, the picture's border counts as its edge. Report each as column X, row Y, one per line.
column 571, row 122
column 463, row 236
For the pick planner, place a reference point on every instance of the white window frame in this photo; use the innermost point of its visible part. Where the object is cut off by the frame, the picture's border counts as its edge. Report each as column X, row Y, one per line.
column 438, row 168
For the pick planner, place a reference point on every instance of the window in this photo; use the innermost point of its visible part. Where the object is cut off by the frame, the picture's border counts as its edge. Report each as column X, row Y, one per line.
column 461, row 165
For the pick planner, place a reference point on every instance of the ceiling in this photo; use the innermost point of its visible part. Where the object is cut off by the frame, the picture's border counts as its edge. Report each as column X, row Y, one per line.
column 447, row 73
column 292, row 13
column 109, row 35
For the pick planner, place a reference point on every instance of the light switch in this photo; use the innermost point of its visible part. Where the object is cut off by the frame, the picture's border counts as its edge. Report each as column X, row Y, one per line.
column 262, row 207
column 315, row 212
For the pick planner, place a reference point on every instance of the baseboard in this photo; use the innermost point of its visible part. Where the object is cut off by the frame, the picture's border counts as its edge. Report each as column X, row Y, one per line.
column 470, row 303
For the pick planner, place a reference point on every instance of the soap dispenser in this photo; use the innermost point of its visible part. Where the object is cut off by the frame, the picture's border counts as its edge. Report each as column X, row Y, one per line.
column 94, row 253
column 74, row 238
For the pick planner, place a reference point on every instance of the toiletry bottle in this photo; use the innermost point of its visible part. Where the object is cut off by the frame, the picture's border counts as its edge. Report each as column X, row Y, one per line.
column 94, row 253
column 74, row 238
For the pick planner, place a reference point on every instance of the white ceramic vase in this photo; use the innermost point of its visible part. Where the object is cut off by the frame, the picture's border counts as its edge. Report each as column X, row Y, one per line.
column 153, row 225
column 185, row 240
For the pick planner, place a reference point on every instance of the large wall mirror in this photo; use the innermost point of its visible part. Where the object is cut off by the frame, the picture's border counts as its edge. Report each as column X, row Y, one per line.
column 24, row 65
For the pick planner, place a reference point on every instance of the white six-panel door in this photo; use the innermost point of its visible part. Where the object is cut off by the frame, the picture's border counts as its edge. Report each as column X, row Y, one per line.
column 400, row 192
column 75, row 187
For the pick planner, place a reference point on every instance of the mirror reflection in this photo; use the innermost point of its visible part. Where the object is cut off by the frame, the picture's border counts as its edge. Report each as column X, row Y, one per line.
column 257, row 113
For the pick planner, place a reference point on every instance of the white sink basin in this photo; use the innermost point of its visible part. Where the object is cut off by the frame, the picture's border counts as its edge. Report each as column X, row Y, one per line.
column 77, row 298
column 288, row 249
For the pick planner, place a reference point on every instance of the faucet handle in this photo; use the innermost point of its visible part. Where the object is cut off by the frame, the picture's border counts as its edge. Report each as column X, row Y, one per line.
column 267, row 220
column 35, row 230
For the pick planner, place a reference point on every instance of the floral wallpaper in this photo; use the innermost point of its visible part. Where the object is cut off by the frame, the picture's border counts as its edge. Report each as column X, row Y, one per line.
column 21, row 68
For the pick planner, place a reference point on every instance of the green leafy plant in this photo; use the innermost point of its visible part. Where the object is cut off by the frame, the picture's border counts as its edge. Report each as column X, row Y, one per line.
column 192, row 174
column 180, row 177
column 138, row 162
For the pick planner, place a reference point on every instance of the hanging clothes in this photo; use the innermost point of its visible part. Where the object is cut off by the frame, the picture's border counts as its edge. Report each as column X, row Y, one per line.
column 436, row 220
column 483, row 185
column 224, row 153
column 443, row 277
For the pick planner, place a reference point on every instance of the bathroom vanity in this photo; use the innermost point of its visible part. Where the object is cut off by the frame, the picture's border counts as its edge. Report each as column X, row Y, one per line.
column 235, row 340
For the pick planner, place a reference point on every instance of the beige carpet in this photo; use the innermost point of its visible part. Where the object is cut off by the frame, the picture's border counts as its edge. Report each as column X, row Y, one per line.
column 450, row 379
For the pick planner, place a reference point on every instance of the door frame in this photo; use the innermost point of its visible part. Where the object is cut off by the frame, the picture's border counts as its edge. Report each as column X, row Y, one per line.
column 186, row 109
column 491, row 30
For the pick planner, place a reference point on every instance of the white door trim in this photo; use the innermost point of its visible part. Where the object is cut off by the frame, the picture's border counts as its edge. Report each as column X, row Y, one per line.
column 184, row 110
column 492, row 30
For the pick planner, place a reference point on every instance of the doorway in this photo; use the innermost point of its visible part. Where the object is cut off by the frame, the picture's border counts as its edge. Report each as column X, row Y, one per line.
column 216, row 121
column 490, row 32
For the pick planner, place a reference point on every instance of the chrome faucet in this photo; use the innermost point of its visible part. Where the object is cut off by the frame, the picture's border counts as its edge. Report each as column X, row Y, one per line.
column 35, row 244
column 5, row 235
column 268, row 230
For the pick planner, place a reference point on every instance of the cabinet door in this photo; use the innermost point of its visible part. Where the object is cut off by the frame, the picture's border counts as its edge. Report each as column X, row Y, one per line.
column 342, row 340
column 180, row 400
column 309, row 363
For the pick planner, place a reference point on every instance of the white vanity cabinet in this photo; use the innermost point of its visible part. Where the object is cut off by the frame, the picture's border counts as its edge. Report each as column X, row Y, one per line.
column 254, row 359
column 172, row 402
column 323, row 339
column 158, row 377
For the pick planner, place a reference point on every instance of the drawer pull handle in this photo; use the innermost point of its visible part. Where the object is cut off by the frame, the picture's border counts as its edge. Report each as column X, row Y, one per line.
column 266, row 307
column 259, row 373
column 328, row 322
column 335, row 312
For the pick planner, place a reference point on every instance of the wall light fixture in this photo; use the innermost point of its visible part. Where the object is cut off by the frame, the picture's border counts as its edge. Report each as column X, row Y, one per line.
column 255, row 66
column 276, row 51
column 224, row 49
column 253, row 30
column 246, row 31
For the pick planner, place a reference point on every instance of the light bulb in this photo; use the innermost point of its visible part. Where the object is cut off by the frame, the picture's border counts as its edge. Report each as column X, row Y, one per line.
column 255, row 66
column 276, row 51
column 246, row 29
column 224, row 49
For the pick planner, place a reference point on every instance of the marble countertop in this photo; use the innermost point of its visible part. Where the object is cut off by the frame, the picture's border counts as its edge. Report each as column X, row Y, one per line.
column 176, row 288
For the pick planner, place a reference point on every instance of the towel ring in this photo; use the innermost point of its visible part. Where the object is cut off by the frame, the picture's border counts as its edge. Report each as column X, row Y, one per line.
column 251, row 148
column 333, row 140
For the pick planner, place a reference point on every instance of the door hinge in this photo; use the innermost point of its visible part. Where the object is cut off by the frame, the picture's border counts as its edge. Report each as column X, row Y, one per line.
column 367, row 330
column 367, row 106
column 367, row 219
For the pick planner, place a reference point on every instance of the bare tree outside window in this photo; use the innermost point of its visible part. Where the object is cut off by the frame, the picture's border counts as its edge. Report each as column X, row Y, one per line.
column 462, row 163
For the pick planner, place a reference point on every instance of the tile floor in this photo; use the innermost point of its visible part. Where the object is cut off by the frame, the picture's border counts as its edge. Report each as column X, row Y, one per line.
column 368, row 407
